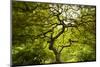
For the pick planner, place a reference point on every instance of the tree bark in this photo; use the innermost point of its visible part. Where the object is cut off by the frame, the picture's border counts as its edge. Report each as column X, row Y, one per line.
column 57, row 58
column 56, row 53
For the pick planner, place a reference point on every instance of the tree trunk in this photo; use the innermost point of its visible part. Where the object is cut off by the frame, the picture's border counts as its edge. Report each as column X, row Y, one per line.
column 56, row 53
column 57, row 56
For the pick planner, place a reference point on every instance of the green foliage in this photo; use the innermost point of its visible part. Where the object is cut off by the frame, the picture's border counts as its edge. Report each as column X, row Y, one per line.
column 79, row 52
column 29, row 56
column 35, row 24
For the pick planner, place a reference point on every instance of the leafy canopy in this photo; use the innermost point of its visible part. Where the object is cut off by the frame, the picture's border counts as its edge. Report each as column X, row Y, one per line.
column 34, row 23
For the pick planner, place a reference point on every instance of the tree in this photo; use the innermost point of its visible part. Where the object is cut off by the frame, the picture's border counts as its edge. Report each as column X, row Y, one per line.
column 42, row 28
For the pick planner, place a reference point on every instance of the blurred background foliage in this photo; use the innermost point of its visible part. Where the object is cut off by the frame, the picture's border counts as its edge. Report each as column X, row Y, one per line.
column 30, row 20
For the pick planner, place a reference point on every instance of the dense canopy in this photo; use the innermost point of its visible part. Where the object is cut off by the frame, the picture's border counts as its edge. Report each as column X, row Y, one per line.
column 44, row 33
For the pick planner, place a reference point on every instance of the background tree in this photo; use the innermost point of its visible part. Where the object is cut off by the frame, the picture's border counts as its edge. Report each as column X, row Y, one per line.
column 52, row 33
